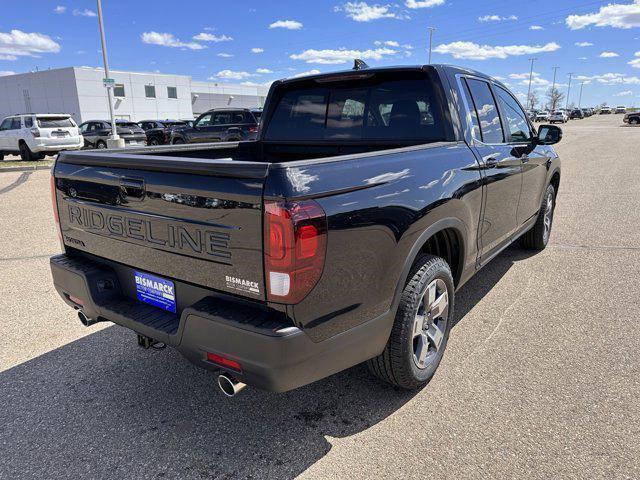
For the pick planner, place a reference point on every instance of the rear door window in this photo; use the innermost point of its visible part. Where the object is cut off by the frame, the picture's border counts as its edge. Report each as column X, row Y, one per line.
column 486, row 110
column 15, row 123
column 55, row 122
column 222, row 118
column 370, row 109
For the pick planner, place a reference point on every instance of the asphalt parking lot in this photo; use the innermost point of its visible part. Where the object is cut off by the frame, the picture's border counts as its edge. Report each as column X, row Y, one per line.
column 541, row 378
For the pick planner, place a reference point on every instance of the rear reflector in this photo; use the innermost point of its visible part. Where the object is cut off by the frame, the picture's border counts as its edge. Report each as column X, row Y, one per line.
column 76, row 300
column 54, row 204
column 295, row 238
column 224, row 362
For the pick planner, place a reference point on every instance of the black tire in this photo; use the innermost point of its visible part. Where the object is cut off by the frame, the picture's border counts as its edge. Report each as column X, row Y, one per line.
column 25, row 153
column 178, row 141
column 101, row 144
column 538, row 237
column 634, row 121
column 1, row 156
column 153, row 142
column 398, row 364
column 234, row 139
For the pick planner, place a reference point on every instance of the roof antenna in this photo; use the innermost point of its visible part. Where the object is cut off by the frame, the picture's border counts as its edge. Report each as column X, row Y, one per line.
column 359, row 64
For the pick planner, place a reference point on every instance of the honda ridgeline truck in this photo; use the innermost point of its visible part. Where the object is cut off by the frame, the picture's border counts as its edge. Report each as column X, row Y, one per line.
column 340, row 236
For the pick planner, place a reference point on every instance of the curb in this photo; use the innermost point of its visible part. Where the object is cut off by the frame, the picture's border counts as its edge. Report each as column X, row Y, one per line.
column 25, row 168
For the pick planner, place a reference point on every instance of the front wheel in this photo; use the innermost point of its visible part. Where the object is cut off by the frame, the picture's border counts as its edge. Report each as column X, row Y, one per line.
column 178, row 141
column 101, row 145
column 421, row 328
column 538, row 237
column 634, row 121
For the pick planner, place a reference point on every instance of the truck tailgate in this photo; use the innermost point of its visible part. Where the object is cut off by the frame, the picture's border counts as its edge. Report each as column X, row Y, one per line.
column 194, row 220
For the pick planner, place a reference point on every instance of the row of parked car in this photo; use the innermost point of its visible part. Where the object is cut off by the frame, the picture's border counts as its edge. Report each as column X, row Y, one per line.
column 33, row 136
column 217, row 125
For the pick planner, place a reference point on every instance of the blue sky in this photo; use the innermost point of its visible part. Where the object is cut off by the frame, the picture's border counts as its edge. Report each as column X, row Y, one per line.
column 259, row 41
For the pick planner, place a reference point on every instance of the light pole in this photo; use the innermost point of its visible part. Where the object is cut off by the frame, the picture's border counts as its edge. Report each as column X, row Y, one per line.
column 580, row 97
column 431, row 30
column 553, row 89
column 568, row 91
column 530, row 78
column 115, row 141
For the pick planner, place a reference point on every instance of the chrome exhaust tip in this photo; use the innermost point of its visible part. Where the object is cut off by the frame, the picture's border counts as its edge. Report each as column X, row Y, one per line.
column 229, row 385
column 86, row 321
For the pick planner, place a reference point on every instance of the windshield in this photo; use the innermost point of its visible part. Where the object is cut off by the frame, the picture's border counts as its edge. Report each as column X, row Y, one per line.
column 370, row 109
column 55, row 122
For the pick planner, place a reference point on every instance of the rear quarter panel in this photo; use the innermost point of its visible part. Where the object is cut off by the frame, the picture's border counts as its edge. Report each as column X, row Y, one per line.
column 378, row 205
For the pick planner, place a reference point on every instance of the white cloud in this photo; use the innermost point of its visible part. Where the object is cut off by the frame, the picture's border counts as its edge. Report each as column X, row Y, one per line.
column 609, row 55
column 208, row 37
column 635, row 63
column 168, row 40
column 363, row 12
column 473, row 51
column 496, row 18
column 5, row 73
column 21, row 44
column 584, row 44
column 288, row 24
column 304, row 74
column 536, row 27
column 263, row 70
column 331, row 57
column 389, row 43
column 423, row 3
column 626, row 93
column 84, row 13
column 257, row 84
column 611, row 79
column 582, row 58
column 224, row 55
column 612, row 15
column 232, row 75
column 257, row 50
column 59, row 9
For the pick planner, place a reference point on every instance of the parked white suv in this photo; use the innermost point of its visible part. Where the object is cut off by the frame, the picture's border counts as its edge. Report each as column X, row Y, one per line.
column 36, row 135
column 558, row 116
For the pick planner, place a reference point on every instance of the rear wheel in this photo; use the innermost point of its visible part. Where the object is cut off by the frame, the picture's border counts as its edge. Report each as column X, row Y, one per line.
column 538, row 237
column 101, row 144
column 25, row 152
column 178, row 141
column 154, row 141
column 421, row 328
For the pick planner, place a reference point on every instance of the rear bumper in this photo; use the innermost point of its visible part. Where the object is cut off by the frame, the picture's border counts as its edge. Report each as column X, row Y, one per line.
column 57, row 145
column 273, row 354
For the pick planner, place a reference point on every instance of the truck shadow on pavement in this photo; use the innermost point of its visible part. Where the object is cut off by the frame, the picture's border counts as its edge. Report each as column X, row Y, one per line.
column 101, row 407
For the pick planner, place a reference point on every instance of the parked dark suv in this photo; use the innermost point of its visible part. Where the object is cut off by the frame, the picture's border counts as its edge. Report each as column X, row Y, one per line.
column 159, row 131
column 219, row 125
column 576, row 113
column 96, row 133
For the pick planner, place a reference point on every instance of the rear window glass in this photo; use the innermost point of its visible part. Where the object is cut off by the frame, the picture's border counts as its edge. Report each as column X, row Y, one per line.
column 128, row 125
column 372, row 109
column 55, row 122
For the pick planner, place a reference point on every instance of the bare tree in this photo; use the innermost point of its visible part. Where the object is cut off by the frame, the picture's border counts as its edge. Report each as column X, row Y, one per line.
column 554, row 98
column 533, row 100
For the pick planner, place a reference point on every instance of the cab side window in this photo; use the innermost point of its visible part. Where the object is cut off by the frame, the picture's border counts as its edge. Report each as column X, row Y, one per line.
column 516, row 120
column 486, row 110
column 15, row 123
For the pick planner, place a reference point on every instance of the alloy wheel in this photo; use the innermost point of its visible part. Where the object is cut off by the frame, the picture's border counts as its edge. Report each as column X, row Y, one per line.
column 430, row 323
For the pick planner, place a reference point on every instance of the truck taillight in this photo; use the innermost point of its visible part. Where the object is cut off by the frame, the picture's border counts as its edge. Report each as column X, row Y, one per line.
column 253, row 129
column 35, row 132
column 295, row 242
column 54, row 204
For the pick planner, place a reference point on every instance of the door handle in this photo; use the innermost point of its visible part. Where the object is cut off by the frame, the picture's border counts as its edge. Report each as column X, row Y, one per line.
column 132, row 189
column 491, row 162
column 524, row 158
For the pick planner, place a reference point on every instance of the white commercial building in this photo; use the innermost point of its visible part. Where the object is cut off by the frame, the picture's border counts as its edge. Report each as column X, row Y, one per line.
column 80, row 92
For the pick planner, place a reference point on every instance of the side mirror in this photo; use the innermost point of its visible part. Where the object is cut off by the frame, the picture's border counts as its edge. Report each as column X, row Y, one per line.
column 549, row 135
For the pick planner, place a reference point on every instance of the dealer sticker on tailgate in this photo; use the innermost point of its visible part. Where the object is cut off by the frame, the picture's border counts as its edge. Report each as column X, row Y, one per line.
column 155, row 291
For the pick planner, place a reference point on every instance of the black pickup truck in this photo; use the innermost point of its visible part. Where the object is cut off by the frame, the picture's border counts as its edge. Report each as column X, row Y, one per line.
column 340, row 236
